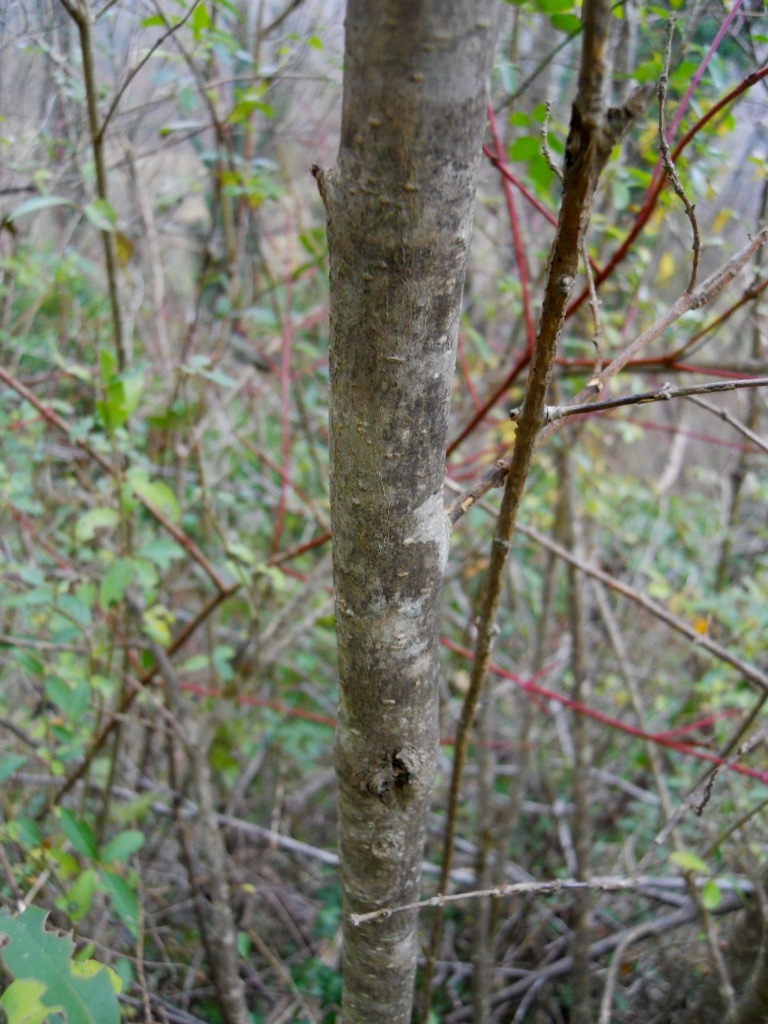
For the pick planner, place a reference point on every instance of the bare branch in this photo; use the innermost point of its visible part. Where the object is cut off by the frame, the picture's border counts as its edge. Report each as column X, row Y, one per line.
column 597, row 884
column 137, row 67
column 669, row 166
column 749, row 671
column 663, row 394
column 742, row 428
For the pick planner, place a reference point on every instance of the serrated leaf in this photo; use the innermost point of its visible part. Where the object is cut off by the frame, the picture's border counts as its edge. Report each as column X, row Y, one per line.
column 689, row 861
column 93, row 520
column 87, row 969
column 21, row 1002
column 79, row 833
column 38, row 203
column 122, row 846
column 34, row 953
column 116, row 581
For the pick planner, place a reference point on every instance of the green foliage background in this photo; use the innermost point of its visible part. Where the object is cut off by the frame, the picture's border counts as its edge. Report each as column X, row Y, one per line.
column 179, row 503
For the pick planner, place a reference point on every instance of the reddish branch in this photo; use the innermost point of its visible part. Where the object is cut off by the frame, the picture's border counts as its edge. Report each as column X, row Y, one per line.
column 600, row 275
column 655, row 190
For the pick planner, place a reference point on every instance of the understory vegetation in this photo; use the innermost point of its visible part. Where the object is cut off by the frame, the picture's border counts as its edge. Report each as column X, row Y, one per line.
column 167, row 634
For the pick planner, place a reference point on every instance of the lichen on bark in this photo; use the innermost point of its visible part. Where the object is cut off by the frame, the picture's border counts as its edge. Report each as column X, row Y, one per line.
column 399, row 215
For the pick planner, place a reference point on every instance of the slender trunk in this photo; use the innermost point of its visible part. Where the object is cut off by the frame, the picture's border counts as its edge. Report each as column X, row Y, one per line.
column 399, row 210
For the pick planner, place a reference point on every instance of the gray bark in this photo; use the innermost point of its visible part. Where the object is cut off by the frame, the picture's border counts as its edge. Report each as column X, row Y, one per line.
column 399, row 213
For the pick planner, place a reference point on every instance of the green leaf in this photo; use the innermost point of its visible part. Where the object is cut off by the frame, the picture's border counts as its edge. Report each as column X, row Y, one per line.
column 116, row 581
column 25, row 831
column 101, row 214
column 122, row 398
column 120, row 848
column 124, row 971
column 39, row 955
column 156, row 624
column 710, row 895
column 241, row 552
column 250, row 101
column 620, row 194
column 161, row 552
column 21, row 1002
column 38, row 203
column 134, row 810
column 567, row 23
column 74, row 609
column 123, row 898
column 689, row 861
column 77, row 900
column 525, row 147
column 79, row 833
column 155, row 492
column 196, row 663
column 107, row 364
column 10, row 764
column 243, row 944
column 93, row 520
column 70, row 696
column 200, row 21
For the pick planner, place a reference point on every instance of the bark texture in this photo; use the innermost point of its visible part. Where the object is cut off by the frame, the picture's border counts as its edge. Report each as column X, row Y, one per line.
column 399, row 213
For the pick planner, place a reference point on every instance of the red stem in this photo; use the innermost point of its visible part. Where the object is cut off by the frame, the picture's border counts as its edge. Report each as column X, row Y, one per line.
column 661, row 739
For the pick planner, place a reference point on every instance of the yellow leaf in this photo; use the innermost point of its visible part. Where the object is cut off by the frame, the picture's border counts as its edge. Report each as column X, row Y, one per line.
column 666, row 268
column 124, row 247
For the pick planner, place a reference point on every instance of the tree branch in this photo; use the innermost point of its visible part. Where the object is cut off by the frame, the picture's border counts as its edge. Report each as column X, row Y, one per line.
column 552, row 413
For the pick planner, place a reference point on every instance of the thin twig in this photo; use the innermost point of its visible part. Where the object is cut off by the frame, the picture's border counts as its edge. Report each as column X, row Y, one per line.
column 706, row 291
column 545, row 150
column 669, row 165
column 80, row 13
column 137, row 68
column 654, row 191
column 742, row 428
column 558, row 969
column 591, row 137
column 749, row 671
column 594, row 305
column 596, row 884
column 552, row 413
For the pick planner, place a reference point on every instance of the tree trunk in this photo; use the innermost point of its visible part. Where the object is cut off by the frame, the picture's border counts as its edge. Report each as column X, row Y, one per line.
column 399, row 211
